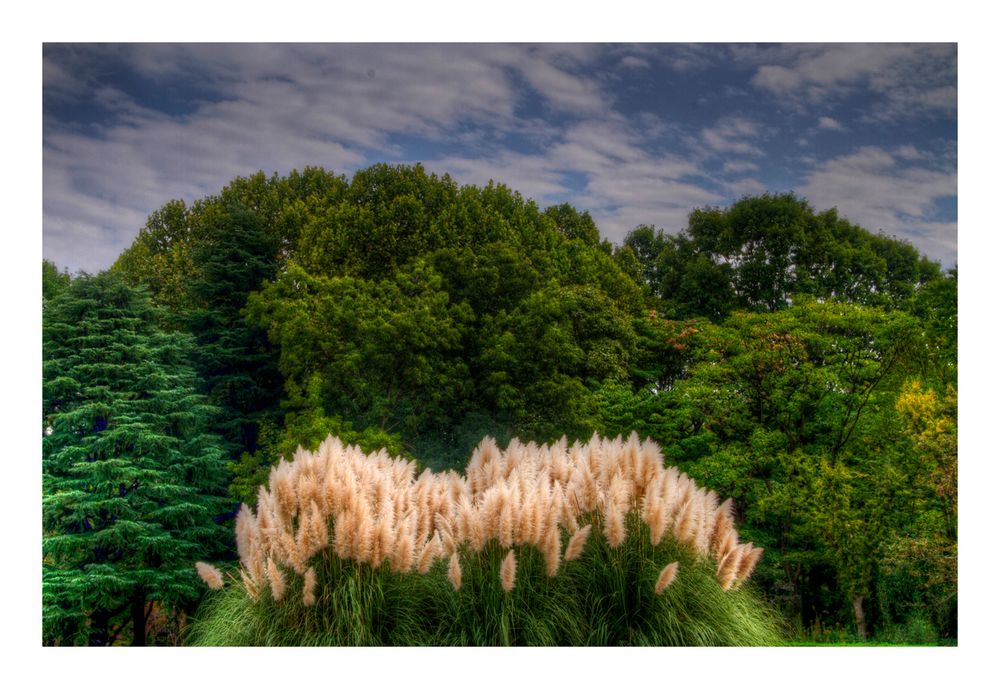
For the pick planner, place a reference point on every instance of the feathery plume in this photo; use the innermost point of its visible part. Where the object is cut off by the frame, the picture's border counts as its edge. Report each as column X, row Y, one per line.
column 686, row 525
column 722, row 523
column 508, row 570
column 747, row 564
column 667, row 576
column 309, row 587
column 455, row 572
column 552, row 551
column 277, row 579
column 729, row 566
column 657, row 523
column 210, row 575
column 575, row 546
column 427, row 553
column 728, row 542
column 614, row 526
column 252, row 589
column 506, row 527
column 405, row 545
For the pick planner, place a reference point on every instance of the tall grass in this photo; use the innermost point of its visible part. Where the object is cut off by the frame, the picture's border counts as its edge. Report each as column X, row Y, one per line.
column 347, row 549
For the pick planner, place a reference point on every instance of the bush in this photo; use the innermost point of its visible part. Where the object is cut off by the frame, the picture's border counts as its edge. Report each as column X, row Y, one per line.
column 586, row 545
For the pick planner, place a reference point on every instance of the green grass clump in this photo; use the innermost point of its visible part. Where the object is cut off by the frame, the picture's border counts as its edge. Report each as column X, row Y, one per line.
column 604, row 598
column 380, row 551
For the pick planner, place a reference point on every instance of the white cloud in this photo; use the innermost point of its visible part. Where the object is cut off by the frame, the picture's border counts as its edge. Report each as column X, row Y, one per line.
column 634, row 62
column 733, row 135
column 911, row 79
column 830, row 124
column 747, row 186
column 738, row 166
column 278, row 107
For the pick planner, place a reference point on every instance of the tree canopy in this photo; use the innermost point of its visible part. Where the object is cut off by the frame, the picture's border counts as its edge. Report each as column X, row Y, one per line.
column 783, row 356
column 133, row 486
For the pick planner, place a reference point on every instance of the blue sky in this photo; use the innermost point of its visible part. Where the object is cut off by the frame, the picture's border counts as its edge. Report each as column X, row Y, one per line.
column 634, row 133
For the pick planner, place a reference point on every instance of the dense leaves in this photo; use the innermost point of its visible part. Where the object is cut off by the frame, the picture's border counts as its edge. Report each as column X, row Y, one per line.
column 782, row 356
column 760, row 252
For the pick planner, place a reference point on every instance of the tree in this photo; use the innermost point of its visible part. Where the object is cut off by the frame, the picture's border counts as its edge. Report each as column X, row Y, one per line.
column 762, row 251
column 384, row 353
column 234, row 360
column 133, row 488
column 53, row 282
column 544, row 360
column 159, row 259
column 792, row 414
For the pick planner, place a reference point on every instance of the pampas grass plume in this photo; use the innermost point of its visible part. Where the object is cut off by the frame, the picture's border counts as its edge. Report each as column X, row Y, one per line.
column 309, row 587
column 455, row 572
column 666, row 578
column 210, row 575
column 575, row 546
column 277, row 579
column 508, row 570
column 427, row 553
column 552, row 551
column 748, row 563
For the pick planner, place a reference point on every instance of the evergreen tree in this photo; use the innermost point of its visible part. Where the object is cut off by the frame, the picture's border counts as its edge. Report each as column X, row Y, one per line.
column 235, row 361
column 133, row 488
column 53, row 282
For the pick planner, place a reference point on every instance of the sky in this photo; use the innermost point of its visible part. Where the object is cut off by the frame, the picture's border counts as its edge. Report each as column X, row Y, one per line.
column 633, row 133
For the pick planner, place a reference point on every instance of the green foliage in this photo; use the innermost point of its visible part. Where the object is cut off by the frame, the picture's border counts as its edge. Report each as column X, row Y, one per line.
column 53, row 282
column 396, row 308
column 304, row 429
column 794, row 414
column 761, row 251
column 132, row 485
column 236, row 363
column 386, row 353
column 550, row 353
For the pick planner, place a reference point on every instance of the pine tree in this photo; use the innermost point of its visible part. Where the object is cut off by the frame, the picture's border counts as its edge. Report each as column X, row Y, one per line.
column 235, row 361
column 133, row 486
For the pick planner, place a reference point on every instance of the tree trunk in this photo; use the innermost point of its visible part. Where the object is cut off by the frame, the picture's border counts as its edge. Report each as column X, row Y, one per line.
column 99, row 621
column 139, row 619
column 859, row 617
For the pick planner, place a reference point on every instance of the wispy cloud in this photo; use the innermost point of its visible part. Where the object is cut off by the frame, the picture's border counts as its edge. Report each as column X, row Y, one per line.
column 634, row 62
column 733, row 135
column 273, row 108
column 830, row 124
column 633, row 133
column 912, row 80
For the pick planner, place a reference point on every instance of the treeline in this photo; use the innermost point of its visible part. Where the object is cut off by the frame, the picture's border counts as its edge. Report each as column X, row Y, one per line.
column 786, row 358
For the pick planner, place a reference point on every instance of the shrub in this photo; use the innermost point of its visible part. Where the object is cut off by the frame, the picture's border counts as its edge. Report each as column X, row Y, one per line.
column 536, row 545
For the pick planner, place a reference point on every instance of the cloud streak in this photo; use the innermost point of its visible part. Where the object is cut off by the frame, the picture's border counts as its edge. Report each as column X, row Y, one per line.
column 607, row 128
column 910, row 80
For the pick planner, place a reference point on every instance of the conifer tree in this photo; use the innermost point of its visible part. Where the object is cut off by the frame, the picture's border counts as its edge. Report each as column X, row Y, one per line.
column 133, row 487
column 234, row 360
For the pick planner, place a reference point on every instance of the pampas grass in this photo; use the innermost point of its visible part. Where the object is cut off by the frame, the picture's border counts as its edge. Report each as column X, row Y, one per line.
column 576, row 543
column 210, row 575
column 508, row 570
column 347, row 531
column 455, row 572
column 666, row 577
